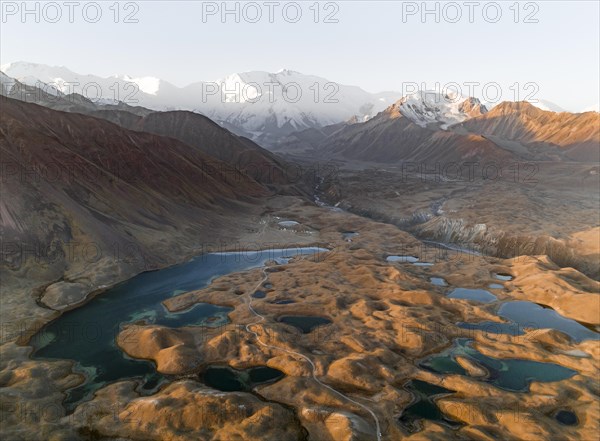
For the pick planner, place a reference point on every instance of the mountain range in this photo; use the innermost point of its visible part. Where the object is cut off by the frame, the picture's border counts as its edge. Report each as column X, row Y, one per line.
column 259, row 105
column 194, row 129
column 262, row 106
column 429, row 129
column 424, row 126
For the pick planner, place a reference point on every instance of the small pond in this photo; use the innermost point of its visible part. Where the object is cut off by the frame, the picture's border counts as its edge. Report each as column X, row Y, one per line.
column 227, row 379
column 566, row 417
column 305, row 323
column 505, row 373
column 284, row 302
column 532, row 315
column 423, row 406
column 474, row 294
column 349, row 235
column 288, row 223
column 438, row 281
column 402, row 259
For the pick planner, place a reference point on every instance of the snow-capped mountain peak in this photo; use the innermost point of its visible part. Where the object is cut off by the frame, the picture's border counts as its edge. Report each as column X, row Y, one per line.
column 258, row 104
column 149, row 85
column 287, row 72
column 426, row 107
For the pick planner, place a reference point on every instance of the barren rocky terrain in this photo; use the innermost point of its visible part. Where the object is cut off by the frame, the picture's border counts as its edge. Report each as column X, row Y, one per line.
column 503, row 209
column 342, row 379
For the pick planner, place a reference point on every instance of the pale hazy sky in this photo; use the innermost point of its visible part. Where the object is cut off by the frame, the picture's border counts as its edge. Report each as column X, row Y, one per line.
column 372, row 45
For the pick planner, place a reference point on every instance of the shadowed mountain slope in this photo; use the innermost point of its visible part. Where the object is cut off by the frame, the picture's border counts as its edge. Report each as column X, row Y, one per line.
column 69, row 179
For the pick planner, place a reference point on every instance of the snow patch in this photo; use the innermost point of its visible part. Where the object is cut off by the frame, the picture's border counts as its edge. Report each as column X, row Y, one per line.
column 149, row 85
column 425, row 107
column 546, row 105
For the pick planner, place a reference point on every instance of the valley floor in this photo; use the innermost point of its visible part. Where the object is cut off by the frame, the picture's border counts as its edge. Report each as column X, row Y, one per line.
column 387, row 318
